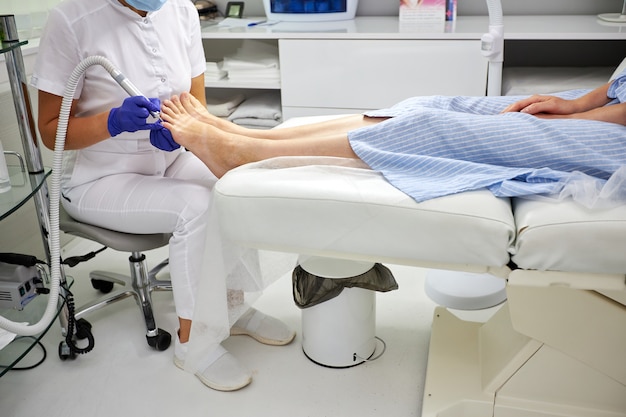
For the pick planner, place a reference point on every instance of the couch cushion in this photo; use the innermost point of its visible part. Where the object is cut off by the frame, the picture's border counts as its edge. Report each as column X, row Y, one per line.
column 565, row 236
column 337, row 207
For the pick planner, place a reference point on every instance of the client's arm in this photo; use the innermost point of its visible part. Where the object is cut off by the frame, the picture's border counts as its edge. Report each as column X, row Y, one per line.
column 591, row 106
column 538, row 104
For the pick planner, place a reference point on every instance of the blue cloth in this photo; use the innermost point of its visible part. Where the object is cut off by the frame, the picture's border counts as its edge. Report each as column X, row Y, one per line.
column 435, row 146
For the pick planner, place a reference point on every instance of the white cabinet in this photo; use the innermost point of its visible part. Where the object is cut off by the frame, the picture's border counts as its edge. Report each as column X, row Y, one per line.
column 373, row 62
column 340, row 76
column 365, row 63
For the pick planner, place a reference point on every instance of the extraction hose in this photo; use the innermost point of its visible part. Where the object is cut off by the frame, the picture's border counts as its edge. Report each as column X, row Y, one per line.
column 54, row 192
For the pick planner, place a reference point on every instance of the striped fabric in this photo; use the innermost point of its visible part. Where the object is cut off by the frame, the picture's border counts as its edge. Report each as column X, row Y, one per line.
column 435, row 146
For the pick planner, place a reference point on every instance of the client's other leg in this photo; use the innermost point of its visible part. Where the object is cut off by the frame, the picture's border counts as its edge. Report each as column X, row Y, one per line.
column 222, row 151
column 341, row 124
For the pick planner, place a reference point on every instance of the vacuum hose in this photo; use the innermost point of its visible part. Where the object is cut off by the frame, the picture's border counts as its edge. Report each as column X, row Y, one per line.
column 55, row 191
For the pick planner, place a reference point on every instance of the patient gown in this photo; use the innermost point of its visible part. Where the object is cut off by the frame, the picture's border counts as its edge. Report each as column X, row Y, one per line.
column 435, row 146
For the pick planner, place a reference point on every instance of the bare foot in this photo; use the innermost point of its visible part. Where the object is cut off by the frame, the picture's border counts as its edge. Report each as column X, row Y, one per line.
column 215, row 148
column 195, row 109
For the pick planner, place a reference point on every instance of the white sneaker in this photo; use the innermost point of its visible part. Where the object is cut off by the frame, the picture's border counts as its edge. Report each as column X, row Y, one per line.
column 221, row 371
column 263, row 328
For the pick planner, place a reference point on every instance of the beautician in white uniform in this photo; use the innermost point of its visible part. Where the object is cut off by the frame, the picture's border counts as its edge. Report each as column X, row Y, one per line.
column 113, row 175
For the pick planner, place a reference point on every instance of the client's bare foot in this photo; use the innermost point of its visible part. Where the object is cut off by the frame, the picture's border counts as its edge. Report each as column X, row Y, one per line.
column 195, row 109
column 219, row 150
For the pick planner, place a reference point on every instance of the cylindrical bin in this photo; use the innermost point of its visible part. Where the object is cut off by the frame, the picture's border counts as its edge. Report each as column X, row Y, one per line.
column 341, row 332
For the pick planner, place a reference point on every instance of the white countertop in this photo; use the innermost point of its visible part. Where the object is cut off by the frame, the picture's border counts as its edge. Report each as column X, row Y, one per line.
column 465, row 27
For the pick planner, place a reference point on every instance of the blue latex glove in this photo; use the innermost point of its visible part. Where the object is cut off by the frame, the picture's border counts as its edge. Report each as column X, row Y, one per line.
column 162, row 138
column 132, row 114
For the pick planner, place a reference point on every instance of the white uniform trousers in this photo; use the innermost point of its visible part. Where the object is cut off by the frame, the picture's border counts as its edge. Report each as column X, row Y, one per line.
column 176, row 203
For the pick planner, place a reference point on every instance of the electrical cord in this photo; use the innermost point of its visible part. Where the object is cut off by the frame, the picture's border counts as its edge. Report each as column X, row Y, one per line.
column 75, row 260
column 83, row 328
column 26, row 368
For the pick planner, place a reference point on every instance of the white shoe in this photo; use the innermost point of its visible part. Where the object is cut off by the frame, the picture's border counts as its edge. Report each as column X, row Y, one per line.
column 263, row 328
column 221, row 371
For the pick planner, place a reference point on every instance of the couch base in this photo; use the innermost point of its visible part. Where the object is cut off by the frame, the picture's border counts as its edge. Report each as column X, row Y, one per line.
column 489, row 369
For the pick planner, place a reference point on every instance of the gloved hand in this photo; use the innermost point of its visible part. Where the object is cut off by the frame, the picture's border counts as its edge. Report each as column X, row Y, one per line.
column 131, row 115
column 162, row 138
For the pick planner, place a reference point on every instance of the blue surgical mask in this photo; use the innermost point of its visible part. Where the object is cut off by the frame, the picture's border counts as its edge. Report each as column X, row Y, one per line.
column 146, row 5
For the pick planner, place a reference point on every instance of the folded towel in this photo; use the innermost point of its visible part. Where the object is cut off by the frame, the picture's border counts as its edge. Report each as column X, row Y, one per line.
column 250, row 62
column 252, row 54
column 264, row 109
column 214, row 71
column 254, row 75
column 257, row 123
column 224, row 107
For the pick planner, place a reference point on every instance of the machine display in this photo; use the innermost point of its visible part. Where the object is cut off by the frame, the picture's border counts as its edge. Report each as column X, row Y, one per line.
column 310, row 10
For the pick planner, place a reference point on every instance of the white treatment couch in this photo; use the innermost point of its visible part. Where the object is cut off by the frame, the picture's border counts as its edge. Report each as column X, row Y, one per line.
column 557, row 347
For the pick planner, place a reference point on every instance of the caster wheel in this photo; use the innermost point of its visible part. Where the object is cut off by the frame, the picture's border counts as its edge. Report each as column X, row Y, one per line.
column 83, row 329
column 104, row 287
column 161, row 341
column 65, row 352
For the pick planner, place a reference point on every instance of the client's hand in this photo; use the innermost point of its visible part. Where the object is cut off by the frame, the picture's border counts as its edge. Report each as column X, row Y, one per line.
column 132, row 114
column 539, row 104
column 162, row 138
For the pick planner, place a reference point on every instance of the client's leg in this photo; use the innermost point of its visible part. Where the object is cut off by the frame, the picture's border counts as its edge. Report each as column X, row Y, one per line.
column 341, row 124
column 222, row 151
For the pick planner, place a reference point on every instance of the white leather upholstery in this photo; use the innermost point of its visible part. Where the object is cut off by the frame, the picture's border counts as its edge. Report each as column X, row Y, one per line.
column 352, row 212
column 565, row 236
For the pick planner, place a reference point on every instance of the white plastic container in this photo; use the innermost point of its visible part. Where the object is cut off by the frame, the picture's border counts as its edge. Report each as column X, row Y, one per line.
column 341, row 332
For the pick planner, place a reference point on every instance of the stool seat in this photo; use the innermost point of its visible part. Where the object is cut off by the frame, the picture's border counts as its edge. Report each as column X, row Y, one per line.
column 120, row 241
column 139, row 284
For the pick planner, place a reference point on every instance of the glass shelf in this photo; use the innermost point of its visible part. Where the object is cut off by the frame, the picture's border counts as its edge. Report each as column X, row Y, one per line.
column 19, row 348
column 23, row 187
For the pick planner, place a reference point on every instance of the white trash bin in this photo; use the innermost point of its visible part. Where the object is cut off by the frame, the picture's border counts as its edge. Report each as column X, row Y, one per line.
column 341, row 332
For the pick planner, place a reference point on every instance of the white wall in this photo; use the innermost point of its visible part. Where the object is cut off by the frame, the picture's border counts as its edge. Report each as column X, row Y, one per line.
column 470, row 7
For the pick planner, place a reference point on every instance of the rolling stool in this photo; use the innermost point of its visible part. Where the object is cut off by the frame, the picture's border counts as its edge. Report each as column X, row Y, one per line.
column 141, row 281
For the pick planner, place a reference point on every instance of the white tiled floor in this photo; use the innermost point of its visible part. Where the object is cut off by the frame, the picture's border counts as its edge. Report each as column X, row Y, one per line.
column 122, row 376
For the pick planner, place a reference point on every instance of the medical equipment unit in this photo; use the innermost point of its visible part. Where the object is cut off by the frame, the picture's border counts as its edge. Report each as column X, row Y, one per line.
column 310, row 10
column 556, row 347
column 19, row 284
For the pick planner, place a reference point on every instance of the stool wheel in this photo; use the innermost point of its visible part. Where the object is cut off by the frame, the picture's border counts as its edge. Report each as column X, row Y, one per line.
column 161, row 341
column 104, row 287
